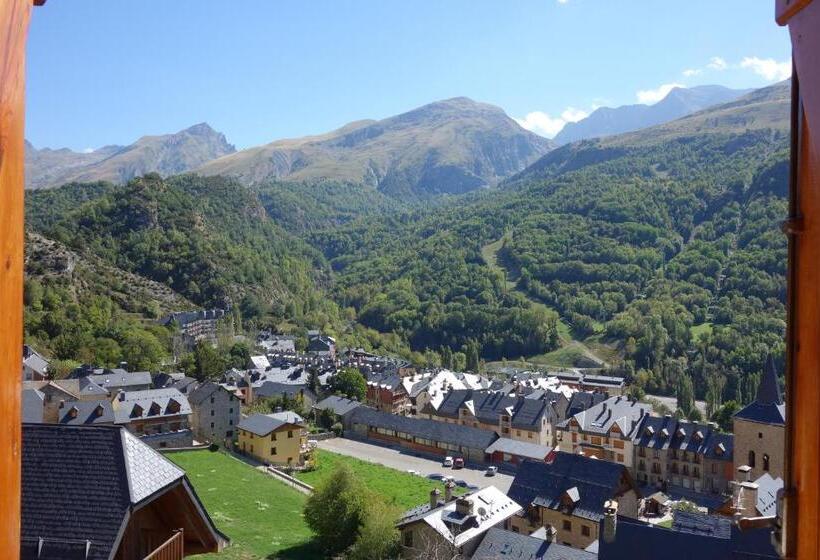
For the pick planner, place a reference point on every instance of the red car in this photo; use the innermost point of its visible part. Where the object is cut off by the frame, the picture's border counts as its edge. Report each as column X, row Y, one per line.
column 458, row 463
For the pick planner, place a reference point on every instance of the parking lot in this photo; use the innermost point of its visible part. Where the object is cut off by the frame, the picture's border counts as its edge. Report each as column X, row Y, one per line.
column 402, row 461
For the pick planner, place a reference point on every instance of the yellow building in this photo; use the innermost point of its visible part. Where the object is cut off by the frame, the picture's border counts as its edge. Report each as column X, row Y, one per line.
column 278, row 439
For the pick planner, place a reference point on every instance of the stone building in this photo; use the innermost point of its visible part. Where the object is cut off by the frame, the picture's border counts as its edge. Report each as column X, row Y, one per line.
column 215, row 413
column 567, row 495
column 689, row 455
column 605, row 430
column 760, row 429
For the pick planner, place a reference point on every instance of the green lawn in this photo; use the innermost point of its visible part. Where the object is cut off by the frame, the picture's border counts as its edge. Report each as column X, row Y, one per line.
column 398, row 488
column 262, row 517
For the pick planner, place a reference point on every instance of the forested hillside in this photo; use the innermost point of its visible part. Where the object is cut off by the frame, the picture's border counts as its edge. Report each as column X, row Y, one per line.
column 669, row 249
column 661, row 246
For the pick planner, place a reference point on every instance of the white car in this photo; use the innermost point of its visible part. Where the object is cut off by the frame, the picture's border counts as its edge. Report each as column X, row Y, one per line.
column 491, row 471
column 448, row 462
column 411, row 471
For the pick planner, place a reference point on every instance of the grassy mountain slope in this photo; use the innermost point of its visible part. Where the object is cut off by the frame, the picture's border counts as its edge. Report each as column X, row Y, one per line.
column 448, row 147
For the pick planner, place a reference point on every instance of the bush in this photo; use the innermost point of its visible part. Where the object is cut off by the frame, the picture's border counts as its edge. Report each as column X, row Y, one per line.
column 338, row 429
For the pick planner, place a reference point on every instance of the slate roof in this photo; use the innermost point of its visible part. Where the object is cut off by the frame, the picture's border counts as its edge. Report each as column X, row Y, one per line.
column 520, row 448
column 339, row 405
column 273, row 389
column 132, row 405
column 703, row 539
column 87, row 388
column 544, row 484
column 33, row 405
column 263, row 424
column 619, row 410
column 79, row 484
column 499, row 544
column 488, row 406
column 34, row 361
column 467, row 436
column 86, row 412
column 583, row 400
column 768, row 407
column 767, row 488
column 670, row 433
column 120, row 379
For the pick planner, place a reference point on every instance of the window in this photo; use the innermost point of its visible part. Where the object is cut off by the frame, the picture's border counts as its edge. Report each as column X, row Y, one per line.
column 290, row 433
column 529, row 435
column 273, row 451
column 230, row 422
column 230, row 410
column 516, row 529
column 273, row 436
column 585, row 530
column 212, row 425
column 408, row 539
column 765, row 462
column 229, row 433
column 618, row 443
column 759, row 435
column 752, row 459
column 620, row 457
column 567, row 525
column 518, row 433
column 212, row 400
column 212, row 413
column 714, row 468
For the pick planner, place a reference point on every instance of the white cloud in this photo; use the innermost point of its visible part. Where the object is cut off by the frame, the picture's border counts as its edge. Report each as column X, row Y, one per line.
column 545, row 125
column 689, row 72
column 768, row 68
column 717, row 63
column 88, row 151
column 650, row 96
column 563, row 1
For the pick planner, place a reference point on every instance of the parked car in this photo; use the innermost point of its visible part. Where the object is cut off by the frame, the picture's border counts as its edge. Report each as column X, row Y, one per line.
column 436, row 476
column 448, row 461
column 448, row 479
column 472, row 487
column 491, row 471
column 462, row 483
column 458, row 463
column 411, row 471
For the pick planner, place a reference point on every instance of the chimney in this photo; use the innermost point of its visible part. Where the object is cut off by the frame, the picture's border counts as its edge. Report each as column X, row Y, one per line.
column 448, row 490
column 121, row 395
column 745, row 473
column 434, row 494
column 747, row 500
column 464, row 506
column 610, row 520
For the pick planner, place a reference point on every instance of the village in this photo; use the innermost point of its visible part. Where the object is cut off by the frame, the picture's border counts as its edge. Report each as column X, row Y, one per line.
column 527, row 464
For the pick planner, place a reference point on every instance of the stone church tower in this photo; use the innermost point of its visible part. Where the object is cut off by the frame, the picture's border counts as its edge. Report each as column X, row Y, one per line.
column 760, row 429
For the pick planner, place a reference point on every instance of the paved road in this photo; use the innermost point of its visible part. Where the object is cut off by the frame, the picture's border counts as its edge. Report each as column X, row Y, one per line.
column 402, row 461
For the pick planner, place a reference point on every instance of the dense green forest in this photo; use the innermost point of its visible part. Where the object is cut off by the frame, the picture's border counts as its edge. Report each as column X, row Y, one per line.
column 662, row 245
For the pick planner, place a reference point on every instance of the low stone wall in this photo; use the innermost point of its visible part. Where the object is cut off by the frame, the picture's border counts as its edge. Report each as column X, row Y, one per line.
column 322, row 436
column 290, row 481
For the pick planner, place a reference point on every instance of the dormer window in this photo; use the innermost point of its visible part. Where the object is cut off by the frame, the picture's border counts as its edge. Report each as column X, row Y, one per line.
column 681, row 432
column 155, row 409
column 137, row 411
column 664, row 433
column 99, row 410
column 698, row 436
column 73, row 411
column 720, row 449
column 173, row 406
column 649, row 431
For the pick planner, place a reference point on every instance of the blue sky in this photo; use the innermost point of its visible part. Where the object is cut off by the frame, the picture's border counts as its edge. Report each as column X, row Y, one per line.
column 108, row 72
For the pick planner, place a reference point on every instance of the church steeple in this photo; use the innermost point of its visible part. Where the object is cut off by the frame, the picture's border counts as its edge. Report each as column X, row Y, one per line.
column 768, row 392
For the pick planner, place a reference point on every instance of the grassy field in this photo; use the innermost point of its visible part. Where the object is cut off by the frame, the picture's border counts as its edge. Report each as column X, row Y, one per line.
column 697, row 330
column 262, row 517
column 398, row 488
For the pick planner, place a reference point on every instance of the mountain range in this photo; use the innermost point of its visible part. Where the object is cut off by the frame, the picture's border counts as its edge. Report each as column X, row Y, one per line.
column 167, row 154
column 657, row 250
column 607, row 121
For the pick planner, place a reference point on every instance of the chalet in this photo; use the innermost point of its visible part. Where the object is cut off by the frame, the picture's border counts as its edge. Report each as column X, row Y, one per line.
column 35, row 366
column 692, row 535
column 121, row 380
column 519, row 418
column 589, row 382
column 321, row 345
column 159, row 417
column 54, row 393
column 418, row 434
column 605, row 430
column 269, row 389
column 691, row 455
column 567, row 495
column 388, row 393
column 499, row 544
column 215, row 413
column 99, row 493
column 453, row 528
column 279, row 439
column 434, row 387
column 276, row 343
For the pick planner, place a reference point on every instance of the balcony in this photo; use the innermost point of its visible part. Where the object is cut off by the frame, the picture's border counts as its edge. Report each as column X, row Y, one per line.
column 172, row 549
